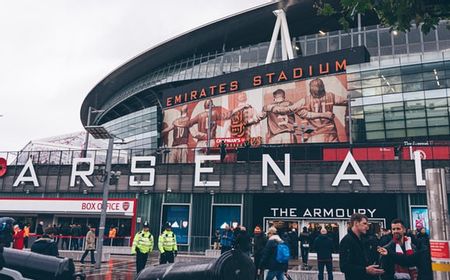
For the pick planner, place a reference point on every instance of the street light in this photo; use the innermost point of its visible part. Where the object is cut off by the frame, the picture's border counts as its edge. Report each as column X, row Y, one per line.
column 99, row 132
column 88, row 123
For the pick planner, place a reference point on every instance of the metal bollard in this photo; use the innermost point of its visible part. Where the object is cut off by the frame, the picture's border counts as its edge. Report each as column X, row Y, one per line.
column 232, row 265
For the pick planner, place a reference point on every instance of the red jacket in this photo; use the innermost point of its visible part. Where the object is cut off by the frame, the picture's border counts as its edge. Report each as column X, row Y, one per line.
column 18, row 240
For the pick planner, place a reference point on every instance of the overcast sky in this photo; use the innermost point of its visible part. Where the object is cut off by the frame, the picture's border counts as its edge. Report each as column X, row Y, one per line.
column 52, row 52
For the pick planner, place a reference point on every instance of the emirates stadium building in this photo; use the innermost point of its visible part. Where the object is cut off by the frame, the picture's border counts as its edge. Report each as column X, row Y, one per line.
column 254, row 119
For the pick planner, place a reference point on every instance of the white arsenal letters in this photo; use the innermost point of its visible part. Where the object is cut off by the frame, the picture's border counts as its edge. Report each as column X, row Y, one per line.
column 150, row 163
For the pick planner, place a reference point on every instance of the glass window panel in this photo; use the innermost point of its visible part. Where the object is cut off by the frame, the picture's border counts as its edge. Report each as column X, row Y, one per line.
column 394, row 111
column 434, row 84
column 411, row 69
column 373, row 117
column 372, row 135
column 390, row 88
column 412, row 95
column 416, row 123
column 416, row 86
column 432, row 103
column 354, row 85
column 370, row 74
column 372, row 100
column 371, row 91
column 440, row 121
column 412, row 78
column 371, row 82
column 436, row 93
column 392, row 97
column 398, row 133
column 374, row 126
column 416, row 132
column 438, row 111
column 395, row 124
column 394, row 71
column 440, row 130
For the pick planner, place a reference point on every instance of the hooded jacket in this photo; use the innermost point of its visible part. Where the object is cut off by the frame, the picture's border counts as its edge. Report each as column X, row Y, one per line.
column 268, row 260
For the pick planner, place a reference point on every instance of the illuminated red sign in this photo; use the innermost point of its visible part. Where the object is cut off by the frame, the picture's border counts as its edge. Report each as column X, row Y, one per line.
column 440, row 250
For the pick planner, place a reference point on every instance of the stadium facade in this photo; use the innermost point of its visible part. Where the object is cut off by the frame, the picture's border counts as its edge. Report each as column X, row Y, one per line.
column 347, row 125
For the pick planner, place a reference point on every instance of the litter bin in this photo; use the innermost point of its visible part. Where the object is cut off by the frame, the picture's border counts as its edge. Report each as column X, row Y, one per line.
column 232, row 265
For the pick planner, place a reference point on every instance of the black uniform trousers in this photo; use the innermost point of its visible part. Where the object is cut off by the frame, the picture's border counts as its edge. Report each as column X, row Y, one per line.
column 141, row 261
column 167, row 257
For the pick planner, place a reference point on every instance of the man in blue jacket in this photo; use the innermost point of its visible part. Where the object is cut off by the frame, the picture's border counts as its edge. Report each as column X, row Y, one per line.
column 226, row 240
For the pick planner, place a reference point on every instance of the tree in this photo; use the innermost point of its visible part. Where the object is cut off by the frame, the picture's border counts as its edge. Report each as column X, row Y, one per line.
column 399, row 15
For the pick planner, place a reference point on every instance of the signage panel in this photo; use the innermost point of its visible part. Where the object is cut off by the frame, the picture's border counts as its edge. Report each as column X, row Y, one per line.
column 57, row 206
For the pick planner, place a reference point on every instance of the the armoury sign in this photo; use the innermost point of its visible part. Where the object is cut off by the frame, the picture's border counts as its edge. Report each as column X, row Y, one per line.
column 321, row 212
column 285, row 71
column 28, row 173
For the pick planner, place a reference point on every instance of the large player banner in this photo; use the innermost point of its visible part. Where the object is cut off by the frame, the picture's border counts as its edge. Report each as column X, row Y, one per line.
column 306, row 111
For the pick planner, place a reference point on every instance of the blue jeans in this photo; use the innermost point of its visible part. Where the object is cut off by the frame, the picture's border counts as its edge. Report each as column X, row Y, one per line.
column 274, row 273
column 329, row 266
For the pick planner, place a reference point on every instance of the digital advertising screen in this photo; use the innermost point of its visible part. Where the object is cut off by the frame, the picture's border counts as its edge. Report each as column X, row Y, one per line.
column 419, row 218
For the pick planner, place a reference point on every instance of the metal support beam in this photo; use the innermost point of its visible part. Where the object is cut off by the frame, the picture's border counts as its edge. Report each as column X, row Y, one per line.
column 438, row 216
column 287, row 51
column 101, row 228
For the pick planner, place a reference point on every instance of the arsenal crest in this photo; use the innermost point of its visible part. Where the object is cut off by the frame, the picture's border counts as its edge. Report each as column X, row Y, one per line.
column 125, row 205
column 3, row 167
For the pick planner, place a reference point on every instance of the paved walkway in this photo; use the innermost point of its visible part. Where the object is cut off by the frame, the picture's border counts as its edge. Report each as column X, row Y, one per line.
column 123, row 268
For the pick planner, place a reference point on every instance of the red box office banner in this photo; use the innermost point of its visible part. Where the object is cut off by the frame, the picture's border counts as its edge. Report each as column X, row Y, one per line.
column 360, row 154
column 426, row 152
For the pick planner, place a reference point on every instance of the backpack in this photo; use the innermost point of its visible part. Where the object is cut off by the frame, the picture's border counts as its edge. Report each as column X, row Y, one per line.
column 283, row 254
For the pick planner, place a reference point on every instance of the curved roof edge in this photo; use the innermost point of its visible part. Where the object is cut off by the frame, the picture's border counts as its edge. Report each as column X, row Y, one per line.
column 235, row 30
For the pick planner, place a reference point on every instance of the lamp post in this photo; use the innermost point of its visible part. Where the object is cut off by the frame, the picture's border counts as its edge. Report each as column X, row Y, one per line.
column 349, row 108
column 99, row 132
column 88, row 123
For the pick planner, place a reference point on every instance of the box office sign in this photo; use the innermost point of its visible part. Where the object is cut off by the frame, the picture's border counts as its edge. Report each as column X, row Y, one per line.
column 61, row 205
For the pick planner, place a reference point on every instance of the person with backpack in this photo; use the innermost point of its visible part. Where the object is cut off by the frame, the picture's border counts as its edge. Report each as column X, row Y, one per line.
column 275, row 256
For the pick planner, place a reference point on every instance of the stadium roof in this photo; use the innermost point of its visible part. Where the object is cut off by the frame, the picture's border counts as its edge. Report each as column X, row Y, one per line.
column 241, row 29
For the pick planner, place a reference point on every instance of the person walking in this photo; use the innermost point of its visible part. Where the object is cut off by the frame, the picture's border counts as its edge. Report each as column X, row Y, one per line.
column 167, row 245
column 46, row 244
column 226, row 239
column 305, row 240
column 40, row 228
column 243, row 241
column 26, row 234
column 270, row 259
column 293, row 242
column 112, row 236
column 121, row 233
column 353, row 256
column 324, row 248
column 89, row 245
column 142, row 246
column 259, row 242
column 18, row 237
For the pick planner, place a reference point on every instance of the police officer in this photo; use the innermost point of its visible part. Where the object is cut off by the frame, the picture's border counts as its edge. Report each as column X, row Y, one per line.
column 142, row 246
column 167, row 245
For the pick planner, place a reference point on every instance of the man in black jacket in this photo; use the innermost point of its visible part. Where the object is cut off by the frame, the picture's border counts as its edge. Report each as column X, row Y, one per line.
column 353, row 258
column 324, row 248
column 259, row 242
column 46, row 244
